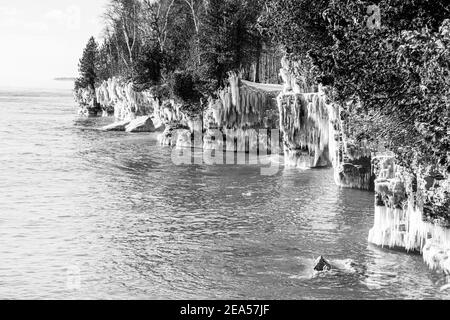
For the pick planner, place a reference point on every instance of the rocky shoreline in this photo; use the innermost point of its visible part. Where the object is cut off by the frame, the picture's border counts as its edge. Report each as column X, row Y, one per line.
column 411, row 209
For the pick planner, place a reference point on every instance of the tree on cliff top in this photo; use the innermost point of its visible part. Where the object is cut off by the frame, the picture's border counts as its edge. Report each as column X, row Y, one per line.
column 228, row 40
column 299, row 26
column 88, row 66
column 397, row 73
column 123, row 18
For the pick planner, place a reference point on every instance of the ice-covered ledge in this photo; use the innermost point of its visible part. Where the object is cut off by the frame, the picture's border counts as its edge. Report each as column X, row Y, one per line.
column 305, row 124
column 88, row 104
column 136, row 111
column 400, row 220
column 118, row 97
column 314, row 136
column 241, row 116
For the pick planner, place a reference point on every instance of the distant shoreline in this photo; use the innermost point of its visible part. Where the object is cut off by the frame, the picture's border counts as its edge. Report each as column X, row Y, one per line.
column 64, row 79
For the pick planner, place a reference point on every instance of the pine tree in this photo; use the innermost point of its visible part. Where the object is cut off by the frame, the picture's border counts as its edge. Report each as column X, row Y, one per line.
column 228, row 40
column 88, row 66
column 148, row 68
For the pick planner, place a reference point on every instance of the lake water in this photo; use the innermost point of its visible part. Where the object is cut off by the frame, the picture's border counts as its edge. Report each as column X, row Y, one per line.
column 86, row 214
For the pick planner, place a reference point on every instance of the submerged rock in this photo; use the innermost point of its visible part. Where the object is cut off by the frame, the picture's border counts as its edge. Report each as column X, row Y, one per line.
column 141, row 124
column 322, row 265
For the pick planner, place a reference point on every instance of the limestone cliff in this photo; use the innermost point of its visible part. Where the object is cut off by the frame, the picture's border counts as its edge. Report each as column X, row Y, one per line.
column 114, row 97
column 133, row 110
column 352, row 159
column 119, row 98
column 241, row 116
column 315, row 135
column 305, row 124
column 88, row 105
column 412, row 210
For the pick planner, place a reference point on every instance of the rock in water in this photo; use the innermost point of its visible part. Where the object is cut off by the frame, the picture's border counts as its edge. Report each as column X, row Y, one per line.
column 117, row 126
column 322, row 265
column 141, row 124
column 159, row 125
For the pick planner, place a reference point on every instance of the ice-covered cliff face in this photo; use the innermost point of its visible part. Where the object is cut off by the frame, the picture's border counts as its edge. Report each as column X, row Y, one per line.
column 118, row 98
column 181, row 123
column 241, row 106
column 88, row 105
column 412, row 211
column 314, row 135
column 292, row 83
column 241, row 116
column 177, row 115
column 352, row 160
column 305, row 124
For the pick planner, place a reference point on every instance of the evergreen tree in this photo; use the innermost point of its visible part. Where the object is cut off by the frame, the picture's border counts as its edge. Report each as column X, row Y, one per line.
column 107, row 61
column 88, row 66
column 148, row 68
column 397, row 74
column 228, row 40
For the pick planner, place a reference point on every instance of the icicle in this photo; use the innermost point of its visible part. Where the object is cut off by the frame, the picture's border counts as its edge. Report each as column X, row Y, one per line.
column 405, row 227
column 305, row 122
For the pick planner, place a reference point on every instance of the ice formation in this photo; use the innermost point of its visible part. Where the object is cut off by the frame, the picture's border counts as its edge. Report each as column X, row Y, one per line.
column 314, row 135
column 87, row 101
column 352, row 161
column 291, row 83
column 168, row 137
column 240, row 117
column 400, row 221
column 141, row 124
column 118, row 98
column 240, row 106
column 305, row 125
column 171, row 113
column 180, row 123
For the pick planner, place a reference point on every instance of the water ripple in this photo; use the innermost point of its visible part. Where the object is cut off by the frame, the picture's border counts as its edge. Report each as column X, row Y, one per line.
column 111, row 210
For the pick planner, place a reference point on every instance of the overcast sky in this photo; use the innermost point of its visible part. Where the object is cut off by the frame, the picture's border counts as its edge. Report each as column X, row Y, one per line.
column 44, row 39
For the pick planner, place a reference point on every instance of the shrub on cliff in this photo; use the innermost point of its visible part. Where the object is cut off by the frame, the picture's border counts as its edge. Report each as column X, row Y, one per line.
column 395, row 72
column 299, row 26
column 184, row 88
column 108, row 61
column 148, row 68
column 228, row 41
column 88, row 66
